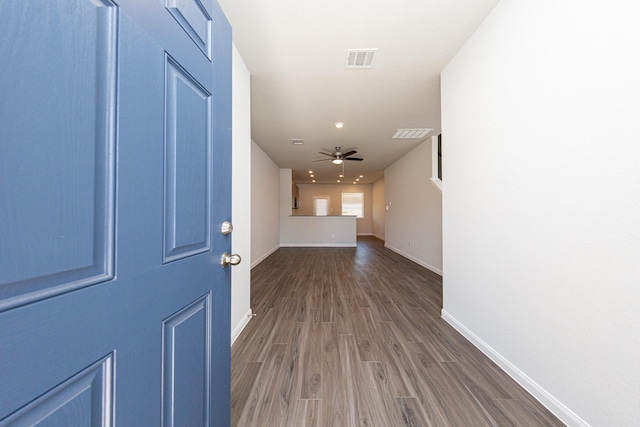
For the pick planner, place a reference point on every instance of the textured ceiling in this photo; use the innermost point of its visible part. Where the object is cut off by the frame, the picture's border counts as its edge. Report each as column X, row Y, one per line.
column 295, row 51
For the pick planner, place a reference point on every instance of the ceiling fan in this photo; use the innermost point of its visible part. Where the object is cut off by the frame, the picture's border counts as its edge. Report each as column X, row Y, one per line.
column 338, row 157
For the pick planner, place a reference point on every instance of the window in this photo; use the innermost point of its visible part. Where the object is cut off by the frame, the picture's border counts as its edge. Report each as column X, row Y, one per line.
column 353, row 204
column 320, row 205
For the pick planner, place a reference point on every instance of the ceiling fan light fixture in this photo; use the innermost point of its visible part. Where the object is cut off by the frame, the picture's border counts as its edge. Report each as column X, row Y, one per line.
column 337, row 161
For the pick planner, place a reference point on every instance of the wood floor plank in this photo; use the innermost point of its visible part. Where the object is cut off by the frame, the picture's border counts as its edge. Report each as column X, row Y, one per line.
column 353, row 337
column 363, row 332
column 411, row 411
column 349, row 381
column 258, row 404
column 304, row 413
column 335, row 384
column 524, row 414
column 286, row 379
column 309, row 377
column 367, row 406
column 342, row 314
column 455, row 403
column 243, row 377
column 285, row 312
column 252, row 345
column 395, row 359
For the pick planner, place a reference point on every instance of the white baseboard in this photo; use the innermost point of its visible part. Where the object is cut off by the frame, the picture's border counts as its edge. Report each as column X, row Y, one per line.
column 318, row 245
column 554, row 405
column 240, row 327
column 416, row 260
column 262, row 258
column 364, row 234
column 378, row 237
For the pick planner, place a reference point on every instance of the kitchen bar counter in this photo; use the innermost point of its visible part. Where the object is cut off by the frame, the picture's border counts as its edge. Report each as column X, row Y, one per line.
column 329, row 231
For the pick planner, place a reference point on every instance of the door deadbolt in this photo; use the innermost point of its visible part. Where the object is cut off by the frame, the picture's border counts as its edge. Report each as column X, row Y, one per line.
column 226, row 228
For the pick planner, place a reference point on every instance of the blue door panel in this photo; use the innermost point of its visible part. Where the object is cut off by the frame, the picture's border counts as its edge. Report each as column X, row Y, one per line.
column 57, row 142
column 186, row 365
column 195, row 18
column 88, row 300
column 188, row 122
column 83, row 400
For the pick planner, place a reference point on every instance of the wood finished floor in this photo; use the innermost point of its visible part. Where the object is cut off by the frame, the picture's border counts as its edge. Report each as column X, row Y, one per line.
column 353, row 337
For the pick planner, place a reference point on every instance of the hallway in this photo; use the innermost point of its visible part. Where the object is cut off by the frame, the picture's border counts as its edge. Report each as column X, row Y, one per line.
column 353, row 337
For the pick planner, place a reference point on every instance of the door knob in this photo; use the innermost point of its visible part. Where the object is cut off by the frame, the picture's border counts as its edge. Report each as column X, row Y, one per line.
column 226, row 228
column 227, row 259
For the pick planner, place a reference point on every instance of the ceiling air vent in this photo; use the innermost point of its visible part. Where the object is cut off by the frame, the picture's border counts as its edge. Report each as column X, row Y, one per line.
column 360, row 58
column 416, row 133
column 297, row 141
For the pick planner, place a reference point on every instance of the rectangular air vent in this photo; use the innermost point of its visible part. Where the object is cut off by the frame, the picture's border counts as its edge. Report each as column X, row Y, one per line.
column 416, row 133
column 297, row 142
column 360, row 58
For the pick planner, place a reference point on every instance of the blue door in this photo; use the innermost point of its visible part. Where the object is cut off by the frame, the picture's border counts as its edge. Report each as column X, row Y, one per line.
column 115, row 154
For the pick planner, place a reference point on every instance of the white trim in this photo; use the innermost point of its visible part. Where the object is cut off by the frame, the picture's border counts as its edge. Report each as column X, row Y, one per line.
column 378, row 237
column 554, row 405
column 263, row 257
column 437, row 183
column 317, row 245
column 240, row 327
column 364, row 234
column 416, row 260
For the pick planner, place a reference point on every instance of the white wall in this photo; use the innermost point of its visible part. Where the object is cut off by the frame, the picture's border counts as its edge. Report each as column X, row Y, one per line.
column 378, row 208
column 414, row 217
column 265, row 207
column 540, row 119
column 241, row 195
column 334, row 191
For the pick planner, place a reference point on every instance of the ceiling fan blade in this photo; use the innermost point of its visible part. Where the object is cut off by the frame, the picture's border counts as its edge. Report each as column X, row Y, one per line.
column 349, row 153
column 321, row 160
column 354, row 158
column 326, row 154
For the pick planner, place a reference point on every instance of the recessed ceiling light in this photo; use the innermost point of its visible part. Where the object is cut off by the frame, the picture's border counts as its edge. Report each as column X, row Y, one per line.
column 310, row 171
column 338, row 181
column 312, row 175
column 357, row 179
column 361, row 176
column 341, row 176
column 339, row 125
column 354, row 182
column 313, row 180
